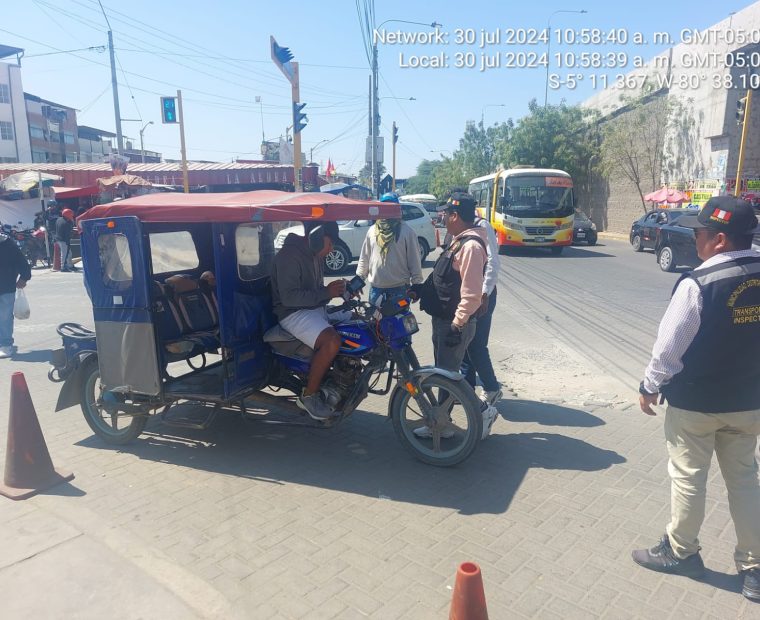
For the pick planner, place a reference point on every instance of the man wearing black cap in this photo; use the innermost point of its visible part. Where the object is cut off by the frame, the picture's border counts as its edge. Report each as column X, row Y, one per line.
column 452, row 294
column 705, row 364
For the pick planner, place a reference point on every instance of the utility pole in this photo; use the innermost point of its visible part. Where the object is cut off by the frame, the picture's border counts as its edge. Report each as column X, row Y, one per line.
column 115, row 87
column 283, row 58
column 375, row 123
column 394, row 139
column 185, row 181
column 743, row 143
column 295, row 89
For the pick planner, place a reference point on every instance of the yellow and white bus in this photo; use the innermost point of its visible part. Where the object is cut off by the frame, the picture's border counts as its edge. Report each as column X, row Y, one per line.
column 528, row 207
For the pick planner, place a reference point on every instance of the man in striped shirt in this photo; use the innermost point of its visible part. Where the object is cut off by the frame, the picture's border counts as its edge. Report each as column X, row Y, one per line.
column 705, row 364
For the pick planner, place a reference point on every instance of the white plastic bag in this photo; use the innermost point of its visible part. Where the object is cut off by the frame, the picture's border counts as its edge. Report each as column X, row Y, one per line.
column 21, row 308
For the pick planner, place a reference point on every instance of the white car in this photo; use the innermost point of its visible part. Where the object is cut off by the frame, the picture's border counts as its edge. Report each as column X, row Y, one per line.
column 353, row 232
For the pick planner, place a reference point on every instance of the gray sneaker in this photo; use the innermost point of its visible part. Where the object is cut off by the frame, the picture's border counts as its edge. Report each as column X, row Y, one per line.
column 315, row 406
column 6, row 352
column 492, row 397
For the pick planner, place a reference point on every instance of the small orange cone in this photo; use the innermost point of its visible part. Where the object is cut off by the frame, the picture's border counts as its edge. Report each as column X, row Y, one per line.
column 469, row 600
column 56, row 257
column 28, row 467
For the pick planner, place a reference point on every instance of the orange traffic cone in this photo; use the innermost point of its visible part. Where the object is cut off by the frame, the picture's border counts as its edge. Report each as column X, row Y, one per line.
column 28, row 468
column 56, row 257
column 469, row 600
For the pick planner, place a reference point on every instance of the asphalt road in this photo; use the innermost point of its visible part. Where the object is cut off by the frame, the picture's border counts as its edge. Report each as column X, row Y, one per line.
column 604, row 302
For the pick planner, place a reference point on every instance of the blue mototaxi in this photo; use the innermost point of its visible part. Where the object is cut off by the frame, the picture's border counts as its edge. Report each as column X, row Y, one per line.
column 182, row 308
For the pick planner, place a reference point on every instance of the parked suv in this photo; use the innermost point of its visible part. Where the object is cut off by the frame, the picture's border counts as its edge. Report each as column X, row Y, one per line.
column 353, row 232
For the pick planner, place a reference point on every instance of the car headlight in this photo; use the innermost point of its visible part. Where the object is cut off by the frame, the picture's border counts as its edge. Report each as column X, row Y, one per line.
column 593, row 226
column 410, row 324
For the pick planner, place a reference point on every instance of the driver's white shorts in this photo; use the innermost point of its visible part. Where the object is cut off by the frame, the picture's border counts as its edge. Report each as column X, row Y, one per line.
column 306, row 325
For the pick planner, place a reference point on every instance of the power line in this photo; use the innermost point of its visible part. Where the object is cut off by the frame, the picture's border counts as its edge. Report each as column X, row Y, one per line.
column 184, row 43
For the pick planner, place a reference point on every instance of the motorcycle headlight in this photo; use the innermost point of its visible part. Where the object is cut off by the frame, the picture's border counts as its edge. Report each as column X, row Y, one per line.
column 410, row 324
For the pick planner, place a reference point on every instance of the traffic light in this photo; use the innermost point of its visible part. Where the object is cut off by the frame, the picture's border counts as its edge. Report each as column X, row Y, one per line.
column 395, row 133
column 282, row 57
column 282, row 54
column 299, row 117
column 169, row 110
column 741, row 109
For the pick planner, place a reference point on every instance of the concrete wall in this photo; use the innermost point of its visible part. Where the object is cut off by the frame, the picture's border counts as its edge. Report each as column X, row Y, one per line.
column 702, row 142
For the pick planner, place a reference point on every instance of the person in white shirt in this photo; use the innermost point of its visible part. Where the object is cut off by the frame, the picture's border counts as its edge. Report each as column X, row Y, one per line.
column 390, row 257
column 477, row 360
column 704, row 363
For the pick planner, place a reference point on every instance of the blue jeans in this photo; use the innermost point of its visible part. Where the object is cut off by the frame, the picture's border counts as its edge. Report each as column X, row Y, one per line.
column 374, row 293
column 6, row 318
column 478, row 359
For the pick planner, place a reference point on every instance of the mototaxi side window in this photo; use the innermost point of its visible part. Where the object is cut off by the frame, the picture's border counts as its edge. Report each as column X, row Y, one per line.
column 115, row 261
column 255, row 250
column 173, row 251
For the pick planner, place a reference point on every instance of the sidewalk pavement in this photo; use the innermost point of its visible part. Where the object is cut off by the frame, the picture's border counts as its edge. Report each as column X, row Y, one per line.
column 246, row 520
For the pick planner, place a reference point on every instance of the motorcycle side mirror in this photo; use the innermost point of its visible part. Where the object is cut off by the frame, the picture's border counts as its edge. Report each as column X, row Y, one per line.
column 317, row 239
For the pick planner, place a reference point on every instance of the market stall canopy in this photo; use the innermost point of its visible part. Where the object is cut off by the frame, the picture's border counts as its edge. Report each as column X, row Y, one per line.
column 24, row 181
column 129, row 180
column 74, row 192
column 257, row 206
column 666, row 195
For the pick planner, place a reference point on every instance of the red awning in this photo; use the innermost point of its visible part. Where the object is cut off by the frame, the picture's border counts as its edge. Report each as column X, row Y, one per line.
column 74, row 192
column 258, row 206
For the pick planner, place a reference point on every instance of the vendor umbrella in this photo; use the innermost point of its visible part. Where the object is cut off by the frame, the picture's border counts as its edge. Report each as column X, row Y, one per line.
column 119, row 180
column 664, row 194
column 24, row 181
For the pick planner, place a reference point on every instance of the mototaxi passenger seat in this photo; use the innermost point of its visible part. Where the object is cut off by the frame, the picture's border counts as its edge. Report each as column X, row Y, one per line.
column 195, row 308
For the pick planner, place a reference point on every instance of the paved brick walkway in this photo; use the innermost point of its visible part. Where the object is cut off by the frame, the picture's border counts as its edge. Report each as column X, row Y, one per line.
column 252, row 521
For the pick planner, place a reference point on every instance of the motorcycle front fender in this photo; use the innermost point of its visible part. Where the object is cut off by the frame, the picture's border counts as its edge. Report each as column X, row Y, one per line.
column 72, row 386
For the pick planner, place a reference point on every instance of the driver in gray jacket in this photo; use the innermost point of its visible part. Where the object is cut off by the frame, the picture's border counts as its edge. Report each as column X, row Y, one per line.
column 300, row 297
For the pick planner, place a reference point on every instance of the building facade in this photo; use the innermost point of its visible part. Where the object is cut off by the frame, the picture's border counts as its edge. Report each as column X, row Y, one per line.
column 14, row 129
column 700, row 81
column 52, row 131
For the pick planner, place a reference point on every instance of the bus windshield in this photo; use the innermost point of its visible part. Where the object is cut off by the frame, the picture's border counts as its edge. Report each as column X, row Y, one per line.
column 538, row 196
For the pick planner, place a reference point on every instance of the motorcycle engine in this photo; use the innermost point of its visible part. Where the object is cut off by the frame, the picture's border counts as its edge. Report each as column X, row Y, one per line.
column 341, row 379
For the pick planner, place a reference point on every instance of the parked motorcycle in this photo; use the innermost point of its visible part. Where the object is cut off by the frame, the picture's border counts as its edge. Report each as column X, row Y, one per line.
column 32, row 245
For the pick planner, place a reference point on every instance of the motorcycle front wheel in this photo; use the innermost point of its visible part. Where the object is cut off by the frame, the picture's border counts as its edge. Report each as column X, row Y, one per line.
column 445, row 428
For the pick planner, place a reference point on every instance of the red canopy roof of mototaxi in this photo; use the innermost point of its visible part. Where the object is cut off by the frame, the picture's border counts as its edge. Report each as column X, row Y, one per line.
column 255, row 206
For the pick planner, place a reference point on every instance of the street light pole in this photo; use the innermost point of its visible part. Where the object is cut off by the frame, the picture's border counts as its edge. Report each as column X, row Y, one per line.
column 375, row 102
column 549, row 47
column 142, row 146
column 311, row 150
column 489, row 105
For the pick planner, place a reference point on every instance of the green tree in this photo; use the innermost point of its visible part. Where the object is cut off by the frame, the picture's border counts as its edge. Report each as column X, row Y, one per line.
column 420, row 182
column 634, row 142
column 365, row 177
column 556, row 136
column 448, row 173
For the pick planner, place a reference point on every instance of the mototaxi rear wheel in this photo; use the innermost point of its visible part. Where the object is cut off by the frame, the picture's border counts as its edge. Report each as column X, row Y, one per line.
column 114, row 428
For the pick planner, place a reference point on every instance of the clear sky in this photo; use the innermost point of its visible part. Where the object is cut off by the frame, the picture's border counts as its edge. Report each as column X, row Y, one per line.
column 218, row 54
